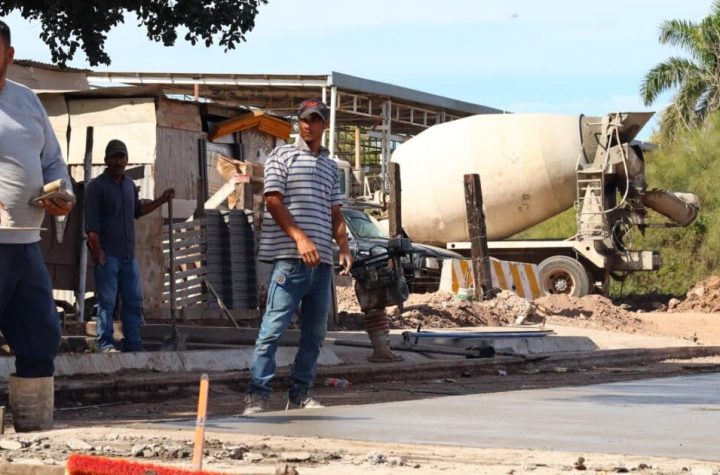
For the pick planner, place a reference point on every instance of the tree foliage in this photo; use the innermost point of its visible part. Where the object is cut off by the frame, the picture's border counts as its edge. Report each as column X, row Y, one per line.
column 70, row 24
column 697, row 78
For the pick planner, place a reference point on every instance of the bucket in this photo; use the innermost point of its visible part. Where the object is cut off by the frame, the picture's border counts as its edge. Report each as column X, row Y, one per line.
column 465, row 294
column 32, row 402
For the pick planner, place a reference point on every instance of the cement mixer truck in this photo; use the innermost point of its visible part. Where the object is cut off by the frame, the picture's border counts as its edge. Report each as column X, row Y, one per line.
column 533, row 167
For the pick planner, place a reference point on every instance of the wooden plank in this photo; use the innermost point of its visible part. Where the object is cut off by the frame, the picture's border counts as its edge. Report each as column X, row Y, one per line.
column 185, row 293
column 478, row 236
column 195, row 223
column 188, row 273
column 221, row 195
column 186, row 301
column 185, row 285
column 188, row 250
column 195, row 250
column 186, row 234
column 394, row 209
column 185, row 243
column 200, row 312
column 131, row 118
column 178, row 115
column 194, row 258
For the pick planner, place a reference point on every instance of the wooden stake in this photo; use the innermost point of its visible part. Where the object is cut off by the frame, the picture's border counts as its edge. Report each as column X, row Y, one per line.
column 395, row 208
column 478, row 236
column 199, row 446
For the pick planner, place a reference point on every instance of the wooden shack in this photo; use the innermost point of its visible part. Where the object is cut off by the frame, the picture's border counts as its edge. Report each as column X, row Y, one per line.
column 172, row 142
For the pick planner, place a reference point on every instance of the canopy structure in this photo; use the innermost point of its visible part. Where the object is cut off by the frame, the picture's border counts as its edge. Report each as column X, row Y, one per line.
column 387, row 114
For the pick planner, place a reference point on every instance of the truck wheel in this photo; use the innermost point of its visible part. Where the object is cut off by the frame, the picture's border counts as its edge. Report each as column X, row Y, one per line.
column 563, row 275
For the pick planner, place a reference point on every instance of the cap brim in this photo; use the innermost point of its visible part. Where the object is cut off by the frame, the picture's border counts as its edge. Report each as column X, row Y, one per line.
column 307, row 113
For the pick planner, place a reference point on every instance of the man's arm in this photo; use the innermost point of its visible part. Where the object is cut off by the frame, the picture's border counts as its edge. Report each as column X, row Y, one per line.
column 307, row 249
column 340, row 235
column 92, row 222
column 150, row 206
column 53, row 167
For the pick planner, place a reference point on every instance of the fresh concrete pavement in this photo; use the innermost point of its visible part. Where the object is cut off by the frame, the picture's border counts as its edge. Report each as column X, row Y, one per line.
column 671, row 417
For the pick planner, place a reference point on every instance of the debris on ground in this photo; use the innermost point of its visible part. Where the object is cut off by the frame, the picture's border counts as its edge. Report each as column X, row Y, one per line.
column 439, row 310
column 702, row 297
column 444, row 310
column 590, row 311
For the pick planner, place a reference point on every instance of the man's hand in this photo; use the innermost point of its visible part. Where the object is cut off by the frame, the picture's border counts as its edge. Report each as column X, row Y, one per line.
column 308, row 251
column 57, row 207
column 345, row 260
column 98, row 256
column 168, row 195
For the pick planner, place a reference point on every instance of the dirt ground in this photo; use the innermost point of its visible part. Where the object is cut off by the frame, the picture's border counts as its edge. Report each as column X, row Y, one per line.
column 119, row 428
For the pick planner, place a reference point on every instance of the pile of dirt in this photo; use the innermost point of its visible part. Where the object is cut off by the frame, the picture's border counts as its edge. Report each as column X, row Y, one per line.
column 439, row 310
column 444, row 310
column 702, row 297
column 591, row 311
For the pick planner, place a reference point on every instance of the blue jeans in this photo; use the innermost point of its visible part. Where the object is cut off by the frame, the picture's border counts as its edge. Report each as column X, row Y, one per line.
column 28, row 316
column 292, row 285
column 118, row 275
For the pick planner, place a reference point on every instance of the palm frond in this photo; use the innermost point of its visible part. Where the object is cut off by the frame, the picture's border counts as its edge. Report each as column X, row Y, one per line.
column 665, row 76
column 682, row 33
column 689, row 98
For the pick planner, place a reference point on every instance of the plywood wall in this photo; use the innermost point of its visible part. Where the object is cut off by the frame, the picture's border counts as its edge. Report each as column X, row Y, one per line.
column 131, row 120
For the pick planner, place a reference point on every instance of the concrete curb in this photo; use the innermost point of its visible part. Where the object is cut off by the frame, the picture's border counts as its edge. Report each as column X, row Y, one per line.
column 381, row 372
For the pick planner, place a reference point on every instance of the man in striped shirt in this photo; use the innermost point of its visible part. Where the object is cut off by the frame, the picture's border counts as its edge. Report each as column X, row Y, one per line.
column 302, row 216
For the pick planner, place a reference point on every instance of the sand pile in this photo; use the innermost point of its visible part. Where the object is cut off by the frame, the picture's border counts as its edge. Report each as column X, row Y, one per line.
column 591, row 311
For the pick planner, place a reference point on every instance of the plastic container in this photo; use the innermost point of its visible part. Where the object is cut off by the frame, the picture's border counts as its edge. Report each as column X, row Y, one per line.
column 465, row 294
column 338, row 383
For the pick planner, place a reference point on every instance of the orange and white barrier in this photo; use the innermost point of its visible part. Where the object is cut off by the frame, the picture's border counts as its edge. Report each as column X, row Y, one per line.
column 519, row 277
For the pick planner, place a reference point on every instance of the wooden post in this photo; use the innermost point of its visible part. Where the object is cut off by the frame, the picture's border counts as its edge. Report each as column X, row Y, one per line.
column 395, row 208
column 478, row 236
column 82, row 278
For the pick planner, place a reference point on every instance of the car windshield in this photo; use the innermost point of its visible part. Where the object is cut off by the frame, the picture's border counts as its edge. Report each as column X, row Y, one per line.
column 364, row 226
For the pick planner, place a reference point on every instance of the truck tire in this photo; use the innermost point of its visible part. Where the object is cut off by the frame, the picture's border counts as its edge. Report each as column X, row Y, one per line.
column 563, row 275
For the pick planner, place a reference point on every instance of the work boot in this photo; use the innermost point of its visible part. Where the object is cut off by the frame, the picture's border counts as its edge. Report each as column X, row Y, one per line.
column 304, row 402
column 381, row 349
column 255, row 404
column 32, row 402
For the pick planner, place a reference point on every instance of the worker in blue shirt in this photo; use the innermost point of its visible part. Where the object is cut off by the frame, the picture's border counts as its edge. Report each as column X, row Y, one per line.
column 112, row 205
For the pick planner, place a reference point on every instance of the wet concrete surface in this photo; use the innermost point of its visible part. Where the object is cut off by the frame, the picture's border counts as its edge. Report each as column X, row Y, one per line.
column 672, row 417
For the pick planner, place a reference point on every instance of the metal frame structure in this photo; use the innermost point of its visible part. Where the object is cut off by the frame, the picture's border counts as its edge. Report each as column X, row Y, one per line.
column 392, row 111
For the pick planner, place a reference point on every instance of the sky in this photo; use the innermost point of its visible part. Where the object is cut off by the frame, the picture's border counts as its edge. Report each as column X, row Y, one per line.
column 554, row 56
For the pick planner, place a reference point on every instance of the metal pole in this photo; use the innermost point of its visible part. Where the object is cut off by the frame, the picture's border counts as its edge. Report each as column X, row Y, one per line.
column 323, row 97
column 82, row 281
column 385, row 159
column 333, row 116
column 171, row 270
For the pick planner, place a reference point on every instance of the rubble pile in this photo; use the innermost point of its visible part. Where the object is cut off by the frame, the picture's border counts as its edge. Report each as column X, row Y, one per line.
column 702, row 297
column 439, row 310
column 445, row 310
column 591, row 311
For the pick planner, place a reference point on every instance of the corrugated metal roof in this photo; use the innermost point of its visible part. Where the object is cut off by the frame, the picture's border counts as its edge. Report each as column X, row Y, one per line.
column 51, row 67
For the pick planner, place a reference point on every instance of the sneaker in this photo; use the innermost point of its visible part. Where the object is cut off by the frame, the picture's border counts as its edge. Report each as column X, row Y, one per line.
column 308, row 402
column 254, row 404
column 109, row 350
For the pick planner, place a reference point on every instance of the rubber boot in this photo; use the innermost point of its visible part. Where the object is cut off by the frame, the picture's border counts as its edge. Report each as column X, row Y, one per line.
column 381, row 348
column 32, row 402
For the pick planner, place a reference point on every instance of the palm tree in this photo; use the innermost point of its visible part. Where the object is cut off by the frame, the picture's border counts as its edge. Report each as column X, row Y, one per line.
column 697, row 78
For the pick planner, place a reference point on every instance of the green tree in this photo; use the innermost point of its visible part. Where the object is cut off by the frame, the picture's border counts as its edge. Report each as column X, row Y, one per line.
column 70, row 24
column 697, row 78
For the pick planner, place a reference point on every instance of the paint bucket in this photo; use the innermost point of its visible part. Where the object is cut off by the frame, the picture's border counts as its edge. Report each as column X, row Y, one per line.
column 465, row 294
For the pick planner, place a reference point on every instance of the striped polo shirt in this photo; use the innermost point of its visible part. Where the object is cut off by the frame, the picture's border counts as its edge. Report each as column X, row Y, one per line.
column 310, row 185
